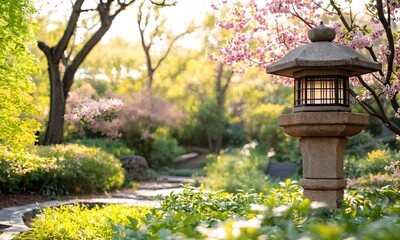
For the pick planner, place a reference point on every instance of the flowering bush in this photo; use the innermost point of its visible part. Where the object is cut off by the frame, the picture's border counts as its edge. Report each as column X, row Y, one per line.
column 89, row 110
column 84, row 110
column 374, row 163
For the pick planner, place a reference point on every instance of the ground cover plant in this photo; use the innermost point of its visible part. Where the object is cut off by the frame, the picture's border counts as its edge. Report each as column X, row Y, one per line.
column 283, row 213
column 81, row 222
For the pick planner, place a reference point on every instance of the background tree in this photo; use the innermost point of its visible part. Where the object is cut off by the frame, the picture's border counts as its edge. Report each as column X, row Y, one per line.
column 16, row 64
column 259, row 37
column 64, row 58
column 153, row 34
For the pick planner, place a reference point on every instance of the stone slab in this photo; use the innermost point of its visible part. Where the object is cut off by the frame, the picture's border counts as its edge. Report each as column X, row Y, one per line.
column 282, row 170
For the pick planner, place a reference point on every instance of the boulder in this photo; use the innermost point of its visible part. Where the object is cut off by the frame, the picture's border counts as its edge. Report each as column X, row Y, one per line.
column 135, row 167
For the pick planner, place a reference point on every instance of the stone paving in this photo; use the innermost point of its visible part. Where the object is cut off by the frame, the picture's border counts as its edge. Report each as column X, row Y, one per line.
column 148, row 194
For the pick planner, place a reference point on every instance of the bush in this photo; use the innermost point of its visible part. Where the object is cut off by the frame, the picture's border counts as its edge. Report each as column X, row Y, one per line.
column 115, row 147
column 240, row 169
column 80, row 222
column 373, row 181
column 374, row 163
column 164, row 149
column 17, row 164
column 79, row 169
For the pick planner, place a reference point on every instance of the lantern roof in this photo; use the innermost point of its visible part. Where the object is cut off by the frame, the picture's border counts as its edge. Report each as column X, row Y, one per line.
column 322, row 54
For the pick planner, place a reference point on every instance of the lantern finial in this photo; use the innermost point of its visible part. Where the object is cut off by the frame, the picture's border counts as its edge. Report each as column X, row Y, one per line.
column 321, row 34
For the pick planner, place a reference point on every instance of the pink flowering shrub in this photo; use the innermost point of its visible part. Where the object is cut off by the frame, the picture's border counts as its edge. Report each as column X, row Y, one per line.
column 85, row 111
column 394, row 169
column 89, row 111
column 118, row 114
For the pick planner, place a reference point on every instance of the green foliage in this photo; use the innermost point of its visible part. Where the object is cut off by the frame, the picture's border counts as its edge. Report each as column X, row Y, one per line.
column 16, row 64
column 207, row 126
column 239, row 169
column 282, row 214
column 81, row 222
column 356, row 143
column 195, row 213
column 187, row 215
column 17, row 164
column 60, row 169
column 164, row 149
column 262, row 123
column 79, row 169
column 373, row 163
column 115, row 147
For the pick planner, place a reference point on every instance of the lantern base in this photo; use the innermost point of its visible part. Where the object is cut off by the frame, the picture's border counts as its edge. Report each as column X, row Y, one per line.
column 327, row 191
column 330, row 199
column 322, row 144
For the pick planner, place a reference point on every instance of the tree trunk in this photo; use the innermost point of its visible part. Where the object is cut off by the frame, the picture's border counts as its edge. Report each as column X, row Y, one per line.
column 54, row 128
column 220, row 91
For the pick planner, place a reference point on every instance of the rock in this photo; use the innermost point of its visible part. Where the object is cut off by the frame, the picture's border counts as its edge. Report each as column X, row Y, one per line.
column 135, row 167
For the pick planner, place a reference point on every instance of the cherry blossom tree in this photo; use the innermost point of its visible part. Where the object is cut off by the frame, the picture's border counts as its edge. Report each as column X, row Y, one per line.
column 264, row 31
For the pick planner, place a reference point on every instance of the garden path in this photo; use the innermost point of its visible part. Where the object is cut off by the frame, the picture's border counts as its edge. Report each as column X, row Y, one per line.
column 148, row 194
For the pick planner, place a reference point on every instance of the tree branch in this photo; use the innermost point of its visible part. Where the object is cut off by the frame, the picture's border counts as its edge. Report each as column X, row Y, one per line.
column 176, row 38
column 389, row 35
column 69, row 31
column 341, row 16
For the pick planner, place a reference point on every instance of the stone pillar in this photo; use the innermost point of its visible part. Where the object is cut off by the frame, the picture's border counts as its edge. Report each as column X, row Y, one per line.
column 323, row 139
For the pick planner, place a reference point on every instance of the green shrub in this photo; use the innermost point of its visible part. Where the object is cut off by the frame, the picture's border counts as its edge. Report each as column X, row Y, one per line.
column 237, row 170
column 17, row 164
column 79, row 169
column 115, row 147
column 374, row 163
column 356, row 145
column 164, row 149
column 80, row 222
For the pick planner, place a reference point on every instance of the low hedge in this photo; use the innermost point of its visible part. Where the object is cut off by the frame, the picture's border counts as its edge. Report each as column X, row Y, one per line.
column 61, row 169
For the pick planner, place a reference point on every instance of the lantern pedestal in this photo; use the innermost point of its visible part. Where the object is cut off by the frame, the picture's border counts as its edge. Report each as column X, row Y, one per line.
column 323, row 139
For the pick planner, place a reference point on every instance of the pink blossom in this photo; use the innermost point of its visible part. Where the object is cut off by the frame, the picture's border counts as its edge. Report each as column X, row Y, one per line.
column 89, row 110
column 366, row 95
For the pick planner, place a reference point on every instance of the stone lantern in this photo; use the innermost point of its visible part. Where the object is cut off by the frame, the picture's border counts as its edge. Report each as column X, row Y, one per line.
column 322, row 118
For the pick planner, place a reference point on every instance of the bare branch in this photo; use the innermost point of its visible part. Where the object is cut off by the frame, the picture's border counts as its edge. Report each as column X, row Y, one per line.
column 176, row 38
column 296, row 14
column 163, row 3
column 69, row 31
column 87, row 10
